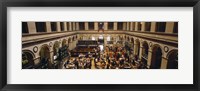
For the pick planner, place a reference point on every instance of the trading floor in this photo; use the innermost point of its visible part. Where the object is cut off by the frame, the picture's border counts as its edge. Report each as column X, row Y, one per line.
column 111, row 58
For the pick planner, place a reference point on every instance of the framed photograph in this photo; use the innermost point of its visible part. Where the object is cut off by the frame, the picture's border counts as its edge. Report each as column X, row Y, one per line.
column 99, row 45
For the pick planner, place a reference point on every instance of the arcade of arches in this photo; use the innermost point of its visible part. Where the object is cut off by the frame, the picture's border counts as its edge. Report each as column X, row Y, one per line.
column 100, row 45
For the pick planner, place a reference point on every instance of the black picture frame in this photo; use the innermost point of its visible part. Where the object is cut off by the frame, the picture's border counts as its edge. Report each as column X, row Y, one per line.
column 100, row 3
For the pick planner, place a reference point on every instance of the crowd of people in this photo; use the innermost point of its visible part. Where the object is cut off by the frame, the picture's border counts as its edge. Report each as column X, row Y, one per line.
column 110, row 58
column 78, row 63
column 114, row 58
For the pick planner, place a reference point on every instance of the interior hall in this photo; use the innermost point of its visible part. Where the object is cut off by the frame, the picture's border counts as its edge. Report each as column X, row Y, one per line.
column 99, row 45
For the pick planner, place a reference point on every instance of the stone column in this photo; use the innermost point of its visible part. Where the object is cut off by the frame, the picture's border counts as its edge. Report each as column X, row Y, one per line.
column 124, row 26
column 96, row 26
column 153, row 27
column 50, row 63
column 31, row 27
column 65, row 26
column 115, row 26
column 77, row 26
column 105, row 25
column 149, row 58
column 140, row 52
column 58, row 27
column 48, row 26
column 127, row 26
column 169, row 27
column 70, row 26
column 69, row 44
column 51, row 57
column 74, row 26
column 143, row 27
column 36, row 60
column 164, row 63
column 136, row 26
column 135, row 48
column 131, row 26
column 86, row 26
column 74, row 44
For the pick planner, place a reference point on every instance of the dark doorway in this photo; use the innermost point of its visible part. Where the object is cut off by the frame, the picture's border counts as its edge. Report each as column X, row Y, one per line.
column 156, row 58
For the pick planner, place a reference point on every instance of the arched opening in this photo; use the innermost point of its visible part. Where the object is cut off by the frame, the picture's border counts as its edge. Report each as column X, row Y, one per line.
column 112, row 39
column 137, row 49
column 128, row 39
column 132, row 41
column 45, row 61
column 145, row 49
column 172, row 62
column 156, row 57
column 27, row 60
column 120, row 38
column 81, row 38
column 64, row 42
column 125, row 37
column 69, row 40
